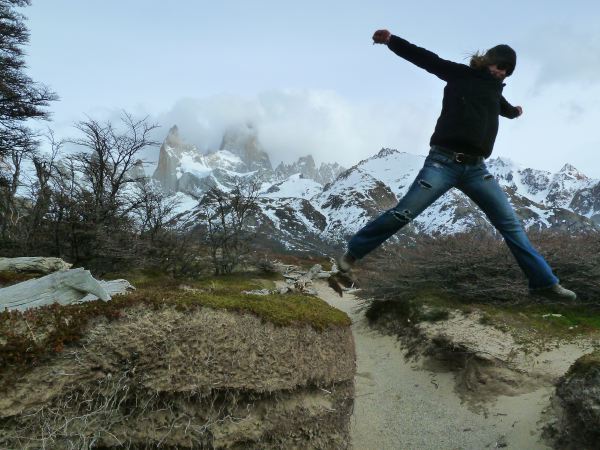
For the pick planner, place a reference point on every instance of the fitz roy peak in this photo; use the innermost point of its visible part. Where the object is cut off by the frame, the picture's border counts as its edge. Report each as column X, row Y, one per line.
column 183, row 168
column 302, row 205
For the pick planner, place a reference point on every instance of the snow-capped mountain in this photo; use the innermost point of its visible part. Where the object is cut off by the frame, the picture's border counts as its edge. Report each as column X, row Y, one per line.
column 304, row 206
column 183, row 168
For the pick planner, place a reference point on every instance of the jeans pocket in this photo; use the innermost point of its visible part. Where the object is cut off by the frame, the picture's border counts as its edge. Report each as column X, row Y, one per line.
column 437, row 160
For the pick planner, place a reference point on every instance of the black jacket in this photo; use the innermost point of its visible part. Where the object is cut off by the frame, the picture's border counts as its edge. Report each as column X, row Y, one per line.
column 472, row 101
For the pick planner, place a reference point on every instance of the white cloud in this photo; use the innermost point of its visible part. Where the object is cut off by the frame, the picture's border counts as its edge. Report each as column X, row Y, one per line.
column 294, row 123
column 564, row 54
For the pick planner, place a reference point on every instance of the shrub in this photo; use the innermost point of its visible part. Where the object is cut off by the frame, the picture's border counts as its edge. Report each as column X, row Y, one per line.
column 479, row 268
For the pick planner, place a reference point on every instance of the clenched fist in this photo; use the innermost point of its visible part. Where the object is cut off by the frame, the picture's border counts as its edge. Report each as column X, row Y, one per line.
column 381, row 37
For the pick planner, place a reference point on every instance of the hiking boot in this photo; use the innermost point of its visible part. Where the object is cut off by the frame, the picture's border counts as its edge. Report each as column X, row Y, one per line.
column 555, row 292
column 345, row 262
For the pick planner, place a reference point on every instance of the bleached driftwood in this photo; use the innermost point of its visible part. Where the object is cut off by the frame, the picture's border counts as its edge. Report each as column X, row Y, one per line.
column 35, row 264
column 113, row 287
column 303, row 283
column 63, row 287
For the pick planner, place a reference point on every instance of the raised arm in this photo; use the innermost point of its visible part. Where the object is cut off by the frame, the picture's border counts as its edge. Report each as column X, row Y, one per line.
column 508, row 110
column 420, row 57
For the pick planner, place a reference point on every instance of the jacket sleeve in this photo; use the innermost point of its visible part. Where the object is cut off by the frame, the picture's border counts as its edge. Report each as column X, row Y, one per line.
column 425, row 59
column 508, row 110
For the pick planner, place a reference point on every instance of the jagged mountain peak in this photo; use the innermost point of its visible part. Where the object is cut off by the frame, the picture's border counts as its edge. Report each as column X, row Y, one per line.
column 242, row 140
column 307, row 160
column 173, row 134
column 502, row 164
column 386, row 152
column 382, row 154
column 174, row 142
column 571, row 171
column 306, row 166
column 236, row 137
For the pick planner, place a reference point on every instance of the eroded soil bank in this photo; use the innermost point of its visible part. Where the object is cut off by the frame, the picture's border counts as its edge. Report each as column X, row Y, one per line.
column 465, row 389
column 204, row 378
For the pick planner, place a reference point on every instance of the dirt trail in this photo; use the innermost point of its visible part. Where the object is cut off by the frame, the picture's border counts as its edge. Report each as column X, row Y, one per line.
column 399, row 405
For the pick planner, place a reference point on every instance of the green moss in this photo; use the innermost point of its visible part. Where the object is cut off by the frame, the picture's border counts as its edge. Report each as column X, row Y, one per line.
column 585, row 364
column 27, row 338
column 549, row 321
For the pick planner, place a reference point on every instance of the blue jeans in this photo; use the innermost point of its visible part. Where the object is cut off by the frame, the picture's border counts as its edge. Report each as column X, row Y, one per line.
column 440, row 173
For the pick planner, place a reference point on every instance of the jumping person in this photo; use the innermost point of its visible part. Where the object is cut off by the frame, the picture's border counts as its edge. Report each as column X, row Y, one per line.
column 463, row 138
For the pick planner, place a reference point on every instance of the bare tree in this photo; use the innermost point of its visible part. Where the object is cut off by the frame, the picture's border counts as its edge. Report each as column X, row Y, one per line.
column 111, row 155
column 155, row 210
column 227, row 215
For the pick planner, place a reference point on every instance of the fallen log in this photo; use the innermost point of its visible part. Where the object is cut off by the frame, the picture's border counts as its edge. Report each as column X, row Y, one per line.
column 33, row 264
column 63, row 287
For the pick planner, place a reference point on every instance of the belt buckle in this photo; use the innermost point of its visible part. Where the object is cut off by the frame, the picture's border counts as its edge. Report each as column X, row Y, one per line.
column 459, row 157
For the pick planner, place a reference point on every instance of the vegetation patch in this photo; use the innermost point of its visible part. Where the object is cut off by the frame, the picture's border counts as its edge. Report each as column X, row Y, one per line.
column 476, row 272
column 27, row 338
column 585, row 365
column 543, row 321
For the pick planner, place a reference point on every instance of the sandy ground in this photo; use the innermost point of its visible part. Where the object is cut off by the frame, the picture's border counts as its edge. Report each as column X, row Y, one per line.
column 399, row 405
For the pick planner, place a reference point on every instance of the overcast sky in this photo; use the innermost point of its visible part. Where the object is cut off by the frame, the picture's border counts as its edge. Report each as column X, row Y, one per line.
column 309, row 79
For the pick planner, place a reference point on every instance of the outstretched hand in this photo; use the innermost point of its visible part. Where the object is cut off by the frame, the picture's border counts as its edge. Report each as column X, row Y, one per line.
column 381, row 37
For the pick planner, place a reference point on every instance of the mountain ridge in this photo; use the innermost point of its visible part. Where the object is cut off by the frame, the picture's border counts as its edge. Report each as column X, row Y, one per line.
column 302, row 204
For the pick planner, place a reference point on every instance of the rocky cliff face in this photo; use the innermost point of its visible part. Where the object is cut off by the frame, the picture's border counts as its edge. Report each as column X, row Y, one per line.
column 172, row 152
column 306, row 167
column 242, row 141
column 586, row 202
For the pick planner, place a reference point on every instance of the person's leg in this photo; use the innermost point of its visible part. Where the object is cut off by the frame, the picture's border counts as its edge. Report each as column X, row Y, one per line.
column 485, row 191
column 434, row 179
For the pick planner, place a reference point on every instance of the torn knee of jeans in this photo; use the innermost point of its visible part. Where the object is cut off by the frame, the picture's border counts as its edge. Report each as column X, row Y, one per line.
column 425, row 184
column 488, row 177
column 402, row 216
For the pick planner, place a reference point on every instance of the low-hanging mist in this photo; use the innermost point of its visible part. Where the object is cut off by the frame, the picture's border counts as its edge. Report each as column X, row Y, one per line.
column 294, row 123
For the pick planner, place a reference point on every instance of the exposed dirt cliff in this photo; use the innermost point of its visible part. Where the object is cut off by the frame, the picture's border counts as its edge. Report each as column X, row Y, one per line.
column 196, row 377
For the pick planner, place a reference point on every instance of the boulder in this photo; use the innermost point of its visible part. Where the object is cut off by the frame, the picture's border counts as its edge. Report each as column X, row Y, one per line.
column 578, row 395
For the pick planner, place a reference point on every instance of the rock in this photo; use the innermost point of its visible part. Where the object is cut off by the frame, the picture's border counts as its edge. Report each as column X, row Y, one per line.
column 169, row 160
column 34, row 264
column 578, row 394
column 306, row 166
column 63, row 287
column 242, row 141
